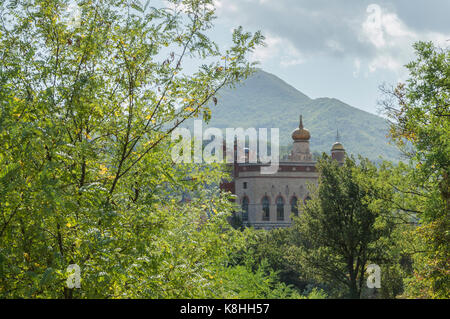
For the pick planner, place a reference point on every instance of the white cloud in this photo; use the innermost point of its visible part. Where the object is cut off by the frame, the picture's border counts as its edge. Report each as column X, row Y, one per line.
column 392, row 39
column 334, row 45
column 381, row 25
column 379, row 35
column 384, row 62
column 357, row 65
column 225, row 7
column 278, row 49
column 372, row 27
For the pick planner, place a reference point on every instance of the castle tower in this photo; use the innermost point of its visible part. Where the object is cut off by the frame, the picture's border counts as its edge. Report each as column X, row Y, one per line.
column 337, row 150
column 300, row 151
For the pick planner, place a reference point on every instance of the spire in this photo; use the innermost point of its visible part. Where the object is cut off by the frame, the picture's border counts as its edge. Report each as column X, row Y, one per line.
column 337, row 146
column 300, row 133
column 337, row 150
column 300, row 151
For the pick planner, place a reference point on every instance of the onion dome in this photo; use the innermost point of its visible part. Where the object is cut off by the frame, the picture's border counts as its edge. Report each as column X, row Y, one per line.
column 300, row 133
column 337, row 147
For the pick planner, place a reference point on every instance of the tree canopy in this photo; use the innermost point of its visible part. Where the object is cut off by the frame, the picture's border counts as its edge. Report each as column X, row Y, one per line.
column 88, row 98
column 420, row 125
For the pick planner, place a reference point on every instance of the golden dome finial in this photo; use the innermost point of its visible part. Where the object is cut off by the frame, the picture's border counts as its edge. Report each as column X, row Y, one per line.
column 337, row 146
column 301, row 134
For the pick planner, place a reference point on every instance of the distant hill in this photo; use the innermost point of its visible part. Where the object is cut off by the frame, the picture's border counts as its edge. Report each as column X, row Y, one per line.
column 264, row 100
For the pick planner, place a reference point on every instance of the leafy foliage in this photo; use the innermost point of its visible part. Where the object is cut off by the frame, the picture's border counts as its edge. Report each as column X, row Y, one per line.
column 87, row 103
column 420, row 114
column 345, row 226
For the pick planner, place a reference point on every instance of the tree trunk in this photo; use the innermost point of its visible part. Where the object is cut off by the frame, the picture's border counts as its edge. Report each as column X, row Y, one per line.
column 354, row 291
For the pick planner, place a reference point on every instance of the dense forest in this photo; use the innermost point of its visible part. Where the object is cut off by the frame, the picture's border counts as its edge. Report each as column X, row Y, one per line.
column 87, row 107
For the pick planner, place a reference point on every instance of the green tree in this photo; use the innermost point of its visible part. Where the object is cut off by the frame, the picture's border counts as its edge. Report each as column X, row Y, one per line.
column 345, row 226
column 278, row 248
column 87, row 105
column 420, row 125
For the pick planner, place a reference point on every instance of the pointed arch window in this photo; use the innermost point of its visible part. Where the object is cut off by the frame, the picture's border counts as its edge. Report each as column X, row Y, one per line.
column 280, row 208
column 245, row 202
column 266, row 208
column 294, row 207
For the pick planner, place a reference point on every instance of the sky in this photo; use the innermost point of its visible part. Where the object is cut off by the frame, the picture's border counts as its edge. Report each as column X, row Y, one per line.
column 343, row 49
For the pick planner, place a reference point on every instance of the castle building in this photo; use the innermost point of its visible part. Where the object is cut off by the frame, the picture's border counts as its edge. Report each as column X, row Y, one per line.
column 268, row 201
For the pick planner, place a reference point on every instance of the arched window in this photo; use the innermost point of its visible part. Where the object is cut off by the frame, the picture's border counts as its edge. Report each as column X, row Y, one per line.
column 244, row 206
column 294, row 207
column 265, row 208
column 280, row 208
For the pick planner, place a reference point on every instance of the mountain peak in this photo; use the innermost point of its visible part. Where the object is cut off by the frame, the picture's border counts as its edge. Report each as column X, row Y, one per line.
column 265, row 101
column 269, row 85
